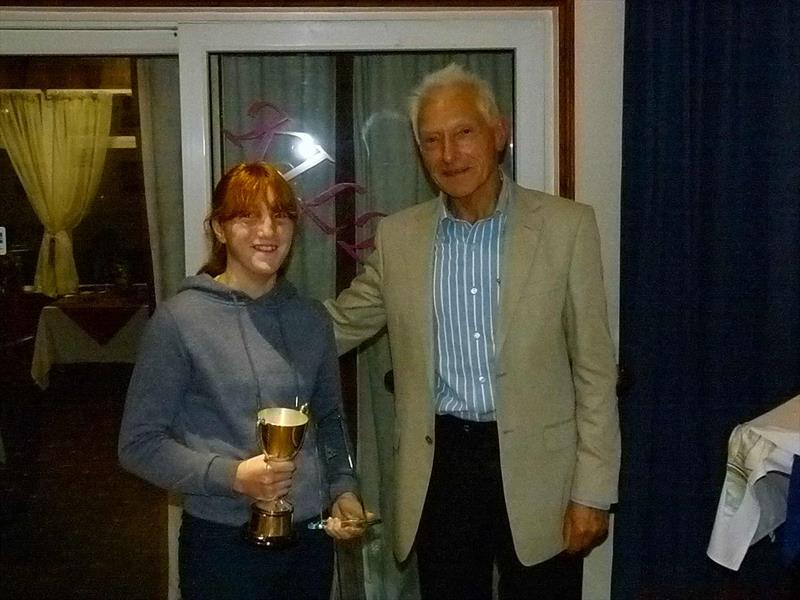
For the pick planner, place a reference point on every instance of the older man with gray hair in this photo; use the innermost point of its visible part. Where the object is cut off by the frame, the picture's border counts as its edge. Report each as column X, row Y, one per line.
column 506, row 439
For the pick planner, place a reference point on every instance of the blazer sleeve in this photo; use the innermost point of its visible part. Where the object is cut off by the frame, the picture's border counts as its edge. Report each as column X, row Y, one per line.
column 594, row 371
column 359, row 312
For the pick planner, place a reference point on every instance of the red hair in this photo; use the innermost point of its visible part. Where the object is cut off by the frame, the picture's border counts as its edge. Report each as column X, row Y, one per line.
column 246, row 189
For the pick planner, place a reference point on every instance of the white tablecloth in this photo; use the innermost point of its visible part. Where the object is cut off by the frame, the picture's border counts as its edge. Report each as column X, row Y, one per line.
column 753, row 500
column 60, row 340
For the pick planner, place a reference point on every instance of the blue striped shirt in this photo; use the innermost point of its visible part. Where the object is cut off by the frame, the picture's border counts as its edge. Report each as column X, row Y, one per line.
column 466, row 297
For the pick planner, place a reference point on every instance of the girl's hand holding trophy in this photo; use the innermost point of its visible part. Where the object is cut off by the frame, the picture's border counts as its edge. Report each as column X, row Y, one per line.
column 264, row 480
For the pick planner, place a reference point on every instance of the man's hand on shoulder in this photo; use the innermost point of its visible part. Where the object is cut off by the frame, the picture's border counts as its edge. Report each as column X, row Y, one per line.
column 584, row 528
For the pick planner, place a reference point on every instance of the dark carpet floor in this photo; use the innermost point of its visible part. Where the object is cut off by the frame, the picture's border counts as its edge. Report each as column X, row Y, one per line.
column 73, row 524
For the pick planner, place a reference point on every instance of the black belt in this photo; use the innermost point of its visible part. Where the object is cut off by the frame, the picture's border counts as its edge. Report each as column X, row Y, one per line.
column 466, row 440
column 454, row 425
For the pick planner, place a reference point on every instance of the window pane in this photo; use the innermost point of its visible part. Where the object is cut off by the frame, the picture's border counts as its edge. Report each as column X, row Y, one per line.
column 133, row 211
column 110, row 231
column 282, row 108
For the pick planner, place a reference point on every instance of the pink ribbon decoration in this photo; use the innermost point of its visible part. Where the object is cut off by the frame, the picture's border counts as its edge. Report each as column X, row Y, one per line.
column 271, row 120
column 256, row 142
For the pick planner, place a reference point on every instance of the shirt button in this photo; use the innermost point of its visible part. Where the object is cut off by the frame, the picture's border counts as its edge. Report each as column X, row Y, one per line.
column 476, row 335
column 473, row 291
column 429, row 439
column 482, row 379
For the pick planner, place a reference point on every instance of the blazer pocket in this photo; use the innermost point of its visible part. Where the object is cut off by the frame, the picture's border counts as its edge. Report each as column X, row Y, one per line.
column 560, row 435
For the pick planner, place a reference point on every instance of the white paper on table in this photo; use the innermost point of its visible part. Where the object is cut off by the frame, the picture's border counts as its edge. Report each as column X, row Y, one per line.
column 753, row 500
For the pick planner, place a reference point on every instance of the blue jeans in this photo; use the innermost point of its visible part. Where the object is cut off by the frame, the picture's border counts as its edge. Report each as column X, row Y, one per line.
column 217, row 563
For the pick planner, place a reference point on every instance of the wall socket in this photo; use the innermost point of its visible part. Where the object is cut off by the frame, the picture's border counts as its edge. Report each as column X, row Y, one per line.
column 2, row 241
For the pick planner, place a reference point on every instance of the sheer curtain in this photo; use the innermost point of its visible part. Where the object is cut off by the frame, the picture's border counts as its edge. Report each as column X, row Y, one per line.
column 387, row 165
column 57, row 144
column 159, row 114
column 255, row 93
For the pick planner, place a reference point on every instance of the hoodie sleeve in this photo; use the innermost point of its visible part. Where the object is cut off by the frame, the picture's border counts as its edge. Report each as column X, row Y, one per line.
column 147, row 444
column 334, row 445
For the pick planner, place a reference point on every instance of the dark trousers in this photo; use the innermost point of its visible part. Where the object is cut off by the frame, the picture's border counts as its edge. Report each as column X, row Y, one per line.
column 464, row 529
column 217, row 563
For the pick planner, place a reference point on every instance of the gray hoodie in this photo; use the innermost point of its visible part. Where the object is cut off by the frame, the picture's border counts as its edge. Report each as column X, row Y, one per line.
column 211, row 358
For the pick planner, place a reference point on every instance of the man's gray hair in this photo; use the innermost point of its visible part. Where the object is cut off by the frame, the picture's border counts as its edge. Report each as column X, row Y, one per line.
column 453, row 75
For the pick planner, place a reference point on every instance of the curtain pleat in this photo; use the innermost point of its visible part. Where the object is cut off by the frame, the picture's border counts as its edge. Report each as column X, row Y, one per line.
column 159, row 108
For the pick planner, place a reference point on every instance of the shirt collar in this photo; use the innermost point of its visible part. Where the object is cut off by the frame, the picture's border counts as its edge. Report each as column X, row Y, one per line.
column 503, row 200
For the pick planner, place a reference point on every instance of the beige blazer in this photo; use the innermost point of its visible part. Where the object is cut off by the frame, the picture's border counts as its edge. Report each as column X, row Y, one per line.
column 555, row 369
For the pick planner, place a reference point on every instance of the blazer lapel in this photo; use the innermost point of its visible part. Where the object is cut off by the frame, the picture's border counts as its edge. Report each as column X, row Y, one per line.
column 419, row 252
column 523, row 232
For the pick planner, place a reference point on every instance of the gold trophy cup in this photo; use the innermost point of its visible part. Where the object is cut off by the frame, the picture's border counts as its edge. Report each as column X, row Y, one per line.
column 281, row 431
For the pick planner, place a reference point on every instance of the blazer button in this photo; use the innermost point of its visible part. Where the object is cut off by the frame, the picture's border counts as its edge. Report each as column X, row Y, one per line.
column 429, row 439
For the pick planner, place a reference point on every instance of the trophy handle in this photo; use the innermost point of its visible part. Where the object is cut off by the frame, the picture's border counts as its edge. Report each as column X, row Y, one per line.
column 297, row 436
column 259, row 424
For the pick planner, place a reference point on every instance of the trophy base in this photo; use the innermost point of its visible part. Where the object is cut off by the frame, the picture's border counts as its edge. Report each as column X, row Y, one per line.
column 270, row 528
column 273, row 542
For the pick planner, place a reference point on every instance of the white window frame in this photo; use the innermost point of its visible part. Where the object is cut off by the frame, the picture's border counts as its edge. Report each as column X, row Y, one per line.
column 531, row 33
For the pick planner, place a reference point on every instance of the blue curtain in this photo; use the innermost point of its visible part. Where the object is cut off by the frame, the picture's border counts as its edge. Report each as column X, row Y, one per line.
column 710, row 274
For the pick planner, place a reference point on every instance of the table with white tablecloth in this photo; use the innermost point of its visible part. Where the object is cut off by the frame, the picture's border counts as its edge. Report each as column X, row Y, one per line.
column 753, row 502
column 64, row 339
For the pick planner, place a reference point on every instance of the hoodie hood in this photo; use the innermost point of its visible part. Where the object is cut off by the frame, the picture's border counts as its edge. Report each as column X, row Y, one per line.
column 280, row 293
